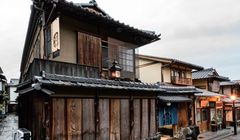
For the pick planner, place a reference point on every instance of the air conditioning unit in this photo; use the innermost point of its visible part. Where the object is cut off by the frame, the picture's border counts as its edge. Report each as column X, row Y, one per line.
column 22, row 134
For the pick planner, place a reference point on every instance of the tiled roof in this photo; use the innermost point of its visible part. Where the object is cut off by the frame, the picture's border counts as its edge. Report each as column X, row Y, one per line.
column 2, row 77
column 229, row 83
column 208, row 73
column 13, row 82
column 176, row 99
column 205, row 93
column 81, row 11
column 170, row 60
column 1, row 71
column 72, row 81
column 84, row 7
column 229, row 100
column 171, row 89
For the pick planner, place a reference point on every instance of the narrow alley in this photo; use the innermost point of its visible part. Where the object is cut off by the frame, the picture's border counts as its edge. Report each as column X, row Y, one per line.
column 8, row 126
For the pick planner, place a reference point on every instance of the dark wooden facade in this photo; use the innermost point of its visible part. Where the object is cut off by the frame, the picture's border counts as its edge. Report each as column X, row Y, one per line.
column 92, row 114
column 78, row 109
column 62, row 68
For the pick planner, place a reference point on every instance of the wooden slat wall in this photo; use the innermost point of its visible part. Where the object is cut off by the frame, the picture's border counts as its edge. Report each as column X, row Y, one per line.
column 103, row 119
column 115, row 119
column 58, row 115
column 152, row 129
column 38, row 105
column 74, row 119
column 136, row 132
column 106, row 119
column 145, row 119
column 88, row 119
column 89, row 50
column 125, row 119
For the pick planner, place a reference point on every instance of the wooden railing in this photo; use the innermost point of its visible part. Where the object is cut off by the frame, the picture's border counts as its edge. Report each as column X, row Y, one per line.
column 63, row 68
column 181, row 81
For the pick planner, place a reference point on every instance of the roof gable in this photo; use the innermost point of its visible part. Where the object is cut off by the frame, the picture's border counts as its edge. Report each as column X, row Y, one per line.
column 93, row 7
column 1, row 70
column 208, row 73
column 170, row 61
column 85, row 12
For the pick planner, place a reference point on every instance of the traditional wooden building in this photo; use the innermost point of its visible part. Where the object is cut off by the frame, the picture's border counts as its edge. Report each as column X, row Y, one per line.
column 230, row 88
column 3, row 94
column 176, row 108
column 165, row 70
column 209, row 112
column 65, row 90
column 11, row 89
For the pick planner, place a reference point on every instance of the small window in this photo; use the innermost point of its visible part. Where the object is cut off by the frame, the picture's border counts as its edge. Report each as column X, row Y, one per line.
column 204, row 115
column 212, row 104
column 126, row 59
column 172, row 73
column 198, row 115
column 183, row 74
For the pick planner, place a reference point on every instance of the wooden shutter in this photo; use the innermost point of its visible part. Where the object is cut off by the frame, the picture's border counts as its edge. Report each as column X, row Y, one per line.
column 89, row 50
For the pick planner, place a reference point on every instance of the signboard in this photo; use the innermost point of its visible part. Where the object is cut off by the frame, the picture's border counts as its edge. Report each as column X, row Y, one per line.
column 55, row 37
column 219, row 104
column 204, row 103
column 227, row 108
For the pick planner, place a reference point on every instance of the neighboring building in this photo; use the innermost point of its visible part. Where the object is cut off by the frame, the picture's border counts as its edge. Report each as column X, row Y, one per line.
column 12, row 87
column 3, row 94
column 229, row 88
column 209, row 107
column 171, row 71
column 176, row 108
column 65, row 91
column 209, row 111
column 208, row 79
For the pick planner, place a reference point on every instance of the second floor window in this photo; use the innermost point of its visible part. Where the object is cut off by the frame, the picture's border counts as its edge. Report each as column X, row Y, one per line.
column 178, row 73
column 124, row 55
column 126, row 59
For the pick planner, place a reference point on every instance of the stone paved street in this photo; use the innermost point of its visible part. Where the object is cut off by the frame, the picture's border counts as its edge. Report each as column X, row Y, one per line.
column 8, row 126
column 234, row 137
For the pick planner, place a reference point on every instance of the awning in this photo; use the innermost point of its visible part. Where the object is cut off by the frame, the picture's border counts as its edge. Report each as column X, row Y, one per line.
column 205, row 93
column 174, row 99
column 48, row 79
column 228, row 100
column 171, row 89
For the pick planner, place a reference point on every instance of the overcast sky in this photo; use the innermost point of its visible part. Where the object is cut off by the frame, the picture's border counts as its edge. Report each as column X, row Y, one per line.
column 203, row 32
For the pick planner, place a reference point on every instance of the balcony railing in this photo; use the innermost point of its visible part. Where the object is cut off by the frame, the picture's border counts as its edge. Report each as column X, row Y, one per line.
column 181, row 81
column 63, row 68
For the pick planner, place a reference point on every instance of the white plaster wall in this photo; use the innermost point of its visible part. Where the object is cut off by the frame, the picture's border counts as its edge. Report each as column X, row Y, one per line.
column 151, row 73
column 13, row 95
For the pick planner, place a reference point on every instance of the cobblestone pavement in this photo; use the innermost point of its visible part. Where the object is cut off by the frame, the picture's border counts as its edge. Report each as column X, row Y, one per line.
column 223, row 134
column 233, row 137
column 8, row 126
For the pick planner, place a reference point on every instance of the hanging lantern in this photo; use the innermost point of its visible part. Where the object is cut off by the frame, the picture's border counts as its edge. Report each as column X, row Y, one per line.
column 115, row 70
column 168, row 103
